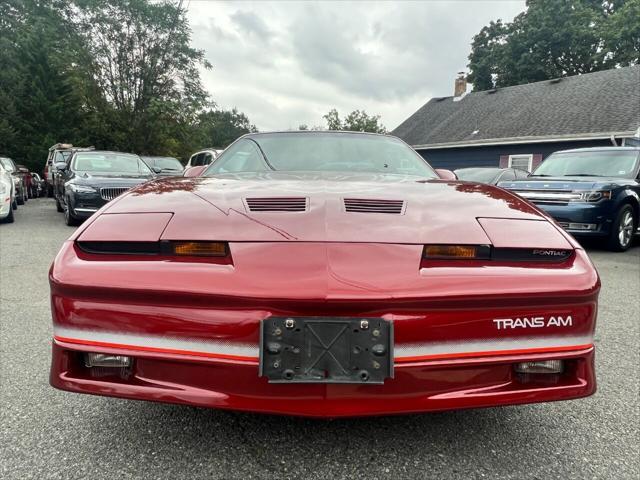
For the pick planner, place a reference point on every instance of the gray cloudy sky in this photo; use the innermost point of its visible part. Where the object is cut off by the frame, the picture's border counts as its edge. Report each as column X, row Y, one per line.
column 287, row 63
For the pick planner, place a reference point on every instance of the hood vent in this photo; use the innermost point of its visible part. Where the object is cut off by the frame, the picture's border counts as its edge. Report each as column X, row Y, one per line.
column 362, row 205
column 277, row 204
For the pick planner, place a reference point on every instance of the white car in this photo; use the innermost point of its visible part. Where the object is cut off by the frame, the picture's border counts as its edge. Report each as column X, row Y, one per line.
column 7, row 196
column 203, row 157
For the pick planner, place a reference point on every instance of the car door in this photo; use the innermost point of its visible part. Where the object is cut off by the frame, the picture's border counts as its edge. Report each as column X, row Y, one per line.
column 48, row 168
column 61, row 177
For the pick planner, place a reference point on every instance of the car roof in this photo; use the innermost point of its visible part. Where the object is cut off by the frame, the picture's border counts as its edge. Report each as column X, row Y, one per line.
column 204, row 150
column 61, row 146
column 315, row 132
column 484, row 168
column 107, row 151
column 601, row 149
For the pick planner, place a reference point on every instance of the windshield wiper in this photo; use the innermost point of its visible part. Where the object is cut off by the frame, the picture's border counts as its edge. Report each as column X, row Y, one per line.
column 540, row 175
column 583, row 175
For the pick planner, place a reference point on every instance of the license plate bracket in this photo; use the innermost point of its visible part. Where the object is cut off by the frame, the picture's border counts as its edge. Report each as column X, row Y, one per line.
column 326, row 350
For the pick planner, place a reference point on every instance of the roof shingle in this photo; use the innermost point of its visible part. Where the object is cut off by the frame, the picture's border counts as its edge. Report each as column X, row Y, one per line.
column 603, row 102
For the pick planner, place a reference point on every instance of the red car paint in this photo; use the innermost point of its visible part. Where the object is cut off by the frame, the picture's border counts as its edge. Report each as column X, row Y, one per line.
column 193, row 326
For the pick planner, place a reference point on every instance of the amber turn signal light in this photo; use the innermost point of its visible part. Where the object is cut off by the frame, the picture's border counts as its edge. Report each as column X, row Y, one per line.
column 456, row 251
column 200, row 249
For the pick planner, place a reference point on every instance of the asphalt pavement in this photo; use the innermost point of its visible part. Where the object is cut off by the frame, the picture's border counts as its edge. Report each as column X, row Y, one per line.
column 47, row 433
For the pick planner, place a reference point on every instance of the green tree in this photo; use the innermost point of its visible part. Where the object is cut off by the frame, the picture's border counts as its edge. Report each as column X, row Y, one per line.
column 356, row 121
column 116, row 74
column 38, row 102
column 556, row 38
column 218, row 128
column 621, row 35
column 142, row 72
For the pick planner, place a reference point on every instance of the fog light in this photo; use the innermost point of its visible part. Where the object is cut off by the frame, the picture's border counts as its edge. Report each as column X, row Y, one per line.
column 582, row 226
column 106, row 360
column 546, row 366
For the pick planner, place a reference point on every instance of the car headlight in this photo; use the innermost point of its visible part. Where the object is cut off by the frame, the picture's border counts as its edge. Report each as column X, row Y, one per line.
column 595, row 195
column 81, row 188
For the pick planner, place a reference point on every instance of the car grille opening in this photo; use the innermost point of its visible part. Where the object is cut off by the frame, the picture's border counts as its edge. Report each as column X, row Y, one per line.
column 109, row 193
column 549, row 197
column 362, row 205
column 277, row 204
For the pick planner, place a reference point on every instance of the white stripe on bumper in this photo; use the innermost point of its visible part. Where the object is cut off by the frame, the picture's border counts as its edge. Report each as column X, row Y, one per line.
column 409, row 352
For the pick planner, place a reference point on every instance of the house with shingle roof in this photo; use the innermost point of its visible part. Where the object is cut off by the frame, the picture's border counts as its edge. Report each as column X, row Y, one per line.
column 520, row 126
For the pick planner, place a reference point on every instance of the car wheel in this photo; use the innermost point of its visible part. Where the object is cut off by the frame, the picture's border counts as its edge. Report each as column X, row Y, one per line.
column 49, row 191
column 59, row 206
column 622, row 230
column 14, row 204
column 9, row 218
column 69, row 219
column 20, row 199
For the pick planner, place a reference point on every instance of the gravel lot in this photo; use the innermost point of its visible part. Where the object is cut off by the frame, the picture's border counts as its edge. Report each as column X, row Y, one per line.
column 51, row 434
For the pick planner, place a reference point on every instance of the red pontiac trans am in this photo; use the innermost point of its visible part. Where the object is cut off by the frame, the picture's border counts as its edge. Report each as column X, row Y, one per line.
column 323, row 274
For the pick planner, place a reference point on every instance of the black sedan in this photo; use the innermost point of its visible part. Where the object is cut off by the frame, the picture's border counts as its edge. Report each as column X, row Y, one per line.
column 93, row 178
column 164, row 166
column 490, row 175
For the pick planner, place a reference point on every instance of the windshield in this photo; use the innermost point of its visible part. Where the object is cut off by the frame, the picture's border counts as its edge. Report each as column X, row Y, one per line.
column 7, row 163
column 110, row 163
column 165, row 163
column 589, row 163
column 62, row 155
column 326, row 151
column 481, row 175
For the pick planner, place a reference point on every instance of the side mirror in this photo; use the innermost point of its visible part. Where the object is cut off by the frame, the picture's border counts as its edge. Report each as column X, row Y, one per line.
column 156, row 170
column 61, row 166
column 194, row 171
column 446, row 174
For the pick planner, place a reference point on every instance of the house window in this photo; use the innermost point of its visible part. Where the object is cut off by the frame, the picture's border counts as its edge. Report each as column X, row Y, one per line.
column 523, row 162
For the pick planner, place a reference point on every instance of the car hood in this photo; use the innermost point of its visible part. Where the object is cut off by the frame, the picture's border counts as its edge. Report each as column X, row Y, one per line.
column 218, row 208
column 109, row 180
column 565, row 183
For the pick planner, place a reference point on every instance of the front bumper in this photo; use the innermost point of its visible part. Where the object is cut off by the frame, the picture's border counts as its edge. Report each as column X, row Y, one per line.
column 598, row 215
column 416, row 386
column 193, row 329
column 83, row 205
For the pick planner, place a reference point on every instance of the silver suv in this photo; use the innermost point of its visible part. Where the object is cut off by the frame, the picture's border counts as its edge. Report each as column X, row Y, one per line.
column 203, row 157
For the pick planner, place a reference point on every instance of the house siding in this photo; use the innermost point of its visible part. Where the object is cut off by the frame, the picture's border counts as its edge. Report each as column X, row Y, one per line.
column 454, row 158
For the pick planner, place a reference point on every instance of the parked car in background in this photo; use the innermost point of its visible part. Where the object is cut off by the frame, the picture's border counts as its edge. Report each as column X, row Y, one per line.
column 60, row 152
column 20, row 188
column 93, row 178
column 27, row 178
column 58, row 176
column 7, row 196
column 203, row 157
column 164, row 166
column 39, row 186
column 591, row 192
column 490, row 175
